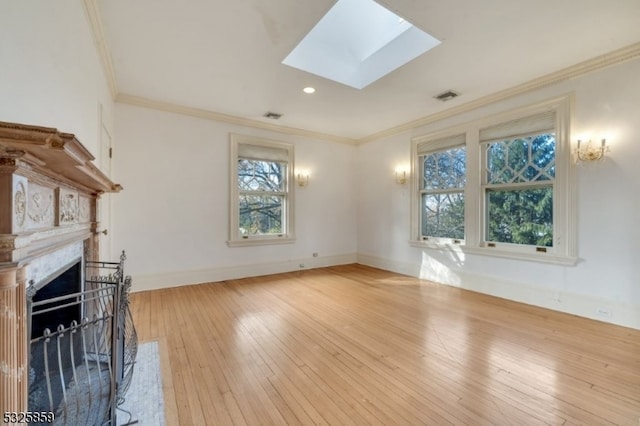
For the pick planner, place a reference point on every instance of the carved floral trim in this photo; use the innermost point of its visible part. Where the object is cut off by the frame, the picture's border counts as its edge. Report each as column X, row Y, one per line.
column 68, row 208
column 7, row 245
column 20, row 205
column 85, row 209
column 43, row 208
column 12, row 162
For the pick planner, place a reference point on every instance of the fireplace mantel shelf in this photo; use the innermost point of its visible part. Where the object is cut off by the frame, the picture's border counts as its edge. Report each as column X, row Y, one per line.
column 49, row 190
column 53, row 153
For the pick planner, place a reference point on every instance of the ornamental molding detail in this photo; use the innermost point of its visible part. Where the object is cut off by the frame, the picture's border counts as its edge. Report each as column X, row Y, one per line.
column 7, row 244
column 10, row 162
column 84, row 213
column 8, row 165
column 19, row 205
column 40, row 205
column 45, row 151
column 68, row 206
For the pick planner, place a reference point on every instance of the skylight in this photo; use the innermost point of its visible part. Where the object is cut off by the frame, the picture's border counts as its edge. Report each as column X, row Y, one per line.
column 357, row 42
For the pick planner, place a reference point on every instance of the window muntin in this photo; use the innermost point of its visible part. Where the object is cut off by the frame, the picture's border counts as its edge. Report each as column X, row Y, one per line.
column 257, row 175
column 261, row 208
column 518, row 189
column 261, row 194
column 443, row 180
column 445, row 169
column 527, row 159
column 550, row 179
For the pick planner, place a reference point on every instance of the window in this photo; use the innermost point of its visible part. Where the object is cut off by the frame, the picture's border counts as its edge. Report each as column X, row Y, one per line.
column 261, row 208
column 500, row 186
column 518, row 179
column 442, row 184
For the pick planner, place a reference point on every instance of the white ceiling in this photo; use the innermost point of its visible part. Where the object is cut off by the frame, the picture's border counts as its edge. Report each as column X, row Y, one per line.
column 225, row 56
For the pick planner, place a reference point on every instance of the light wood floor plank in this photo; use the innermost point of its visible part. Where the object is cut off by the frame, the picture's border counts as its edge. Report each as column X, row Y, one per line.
column 357, row 345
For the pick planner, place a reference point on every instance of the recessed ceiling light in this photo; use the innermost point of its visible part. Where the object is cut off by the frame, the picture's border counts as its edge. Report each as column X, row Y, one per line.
column 309, row 90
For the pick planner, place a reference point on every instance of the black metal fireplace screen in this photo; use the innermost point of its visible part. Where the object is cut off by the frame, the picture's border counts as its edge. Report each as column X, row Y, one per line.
column 83, row 348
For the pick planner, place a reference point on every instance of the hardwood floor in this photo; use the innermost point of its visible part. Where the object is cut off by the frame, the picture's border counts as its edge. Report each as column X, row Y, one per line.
column 357, row 345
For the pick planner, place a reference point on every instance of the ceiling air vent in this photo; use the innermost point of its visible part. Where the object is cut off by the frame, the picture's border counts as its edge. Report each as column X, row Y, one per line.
column 272, row 115
column 448, row 95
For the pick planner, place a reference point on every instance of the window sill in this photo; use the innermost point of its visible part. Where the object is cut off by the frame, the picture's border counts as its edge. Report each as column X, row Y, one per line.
column 552, row 258
column 247, row 242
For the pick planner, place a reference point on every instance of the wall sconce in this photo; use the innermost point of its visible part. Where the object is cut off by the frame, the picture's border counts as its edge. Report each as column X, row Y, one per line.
column 590, row 152
column 302, row 179
column 401, row 177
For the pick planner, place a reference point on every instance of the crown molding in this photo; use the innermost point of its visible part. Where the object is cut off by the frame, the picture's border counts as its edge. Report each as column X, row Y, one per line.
column 97, row 30
column 600, row 62
column 94, row 20
column 226, row 118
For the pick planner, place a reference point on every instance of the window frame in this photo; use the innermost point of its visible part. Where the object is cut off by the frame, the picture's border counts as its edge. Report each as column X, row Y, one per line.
column 564, row 249
column 443, row 144
column 288, row 230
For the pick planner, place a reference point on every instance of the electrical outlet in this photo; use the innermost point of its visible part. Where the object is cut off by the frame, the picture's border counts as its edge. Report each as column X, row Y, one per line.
column 302, row 265
column 315, row 254
column 604, row 312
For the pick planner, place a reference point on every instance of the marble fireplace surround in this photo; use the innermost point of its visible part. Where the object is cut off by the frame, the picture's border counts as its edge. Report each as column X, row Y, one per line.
column 49, row 192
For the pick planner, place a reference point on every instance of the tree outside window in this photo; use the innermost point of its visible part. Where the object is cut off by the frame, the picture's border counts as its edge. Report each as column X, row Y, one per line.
column 520, row 175
column 261, row 207
column 499, row 186
column 261, row 196
column 442, row 194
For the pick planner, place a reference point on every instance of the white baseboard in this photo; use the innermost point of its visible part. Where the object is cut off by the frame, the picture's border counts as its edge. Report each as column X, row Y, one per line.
column 181, row 278
column 626, row 315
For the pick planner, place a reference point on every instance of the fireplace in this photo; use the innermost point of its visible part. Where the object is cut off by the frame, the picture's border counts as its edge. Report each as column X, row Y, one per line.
column 83, row 343
column 49, row 194
column 56, row 303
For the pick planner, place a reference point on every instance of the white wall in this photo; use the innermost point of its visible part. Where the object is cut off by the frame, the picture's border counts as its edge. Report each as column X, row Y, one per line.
column 50, row 73
column 607, row 276
column 172, row 217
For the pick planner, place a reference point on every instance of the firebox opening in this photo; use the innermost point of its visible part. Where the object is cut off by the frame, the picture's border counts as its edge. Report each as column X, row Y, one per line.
column 67, row 283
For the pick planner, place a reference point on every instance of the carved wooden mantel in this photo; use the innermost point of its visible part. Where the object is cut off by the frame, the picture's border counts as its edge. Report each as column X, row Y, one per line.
column 49, row 190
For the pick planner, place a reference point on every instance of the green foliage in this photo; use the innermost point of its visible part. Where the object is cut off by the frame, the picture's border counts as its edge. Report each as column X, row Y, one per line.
column 521, row 217
column 520, row 174
column 530, row 159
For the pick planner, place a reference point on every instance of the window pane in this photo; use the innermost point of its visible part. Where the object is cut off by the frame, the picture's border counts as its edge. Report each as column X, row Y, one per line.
column 256, row 175
column 260, row 214
column 445, row 170
column 521, row 216
column 543, row 149
column 443, row 215
column 528, row 159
